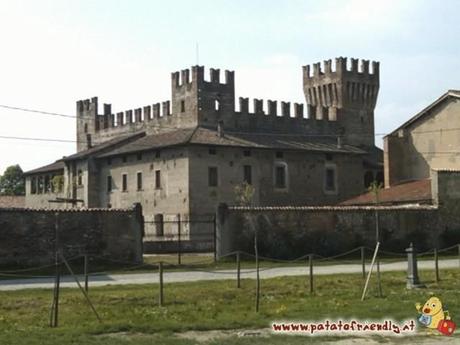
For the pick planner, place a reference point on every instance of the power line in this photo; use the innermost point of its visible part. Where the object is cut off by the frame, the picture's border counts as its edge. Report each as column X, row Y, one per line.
column 36, row 111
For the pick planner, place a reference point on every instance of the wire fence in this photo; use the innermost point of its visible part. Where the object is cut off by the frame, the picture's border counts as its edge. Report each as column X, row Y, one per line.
column 226, row 266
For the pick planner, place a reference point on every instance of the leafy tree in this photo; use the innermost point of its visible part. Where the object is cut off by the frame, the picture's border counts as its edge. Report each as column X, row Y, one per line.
column 244, row 194
column 12, row 181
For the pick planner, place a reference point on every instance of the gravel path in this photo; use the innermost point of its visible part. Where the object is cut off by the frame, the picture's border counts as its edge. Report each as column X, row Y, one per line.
column 198, row 274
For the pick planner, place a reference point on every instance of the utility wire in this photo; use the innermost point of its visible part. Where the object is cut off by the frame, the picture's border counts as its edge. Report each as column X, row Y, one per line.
column 36, row 111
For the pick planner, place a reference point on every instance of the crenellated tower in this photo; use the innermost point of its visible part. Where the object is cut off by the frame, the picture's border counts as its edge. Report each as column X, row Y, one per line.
column 346, row 95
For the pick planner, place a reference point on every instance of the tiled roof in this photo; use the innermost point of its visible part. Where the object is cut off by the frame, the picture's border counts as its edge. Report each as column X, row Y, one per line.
column 426, row 111
column 56, row 166
column 107, row 145
column 206, row 136
column 153, row 141
column 410, row 192
column 12, row 201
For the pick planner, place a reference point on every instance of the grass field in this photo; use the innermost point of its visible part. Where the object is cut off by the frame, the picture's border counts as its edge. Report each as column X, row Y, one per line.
column 131, row 314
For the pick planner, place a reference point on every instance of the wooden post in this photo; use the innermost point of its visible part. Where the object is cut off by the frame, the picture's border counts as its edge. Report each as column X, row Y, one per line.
column 179, row 259
column 459, row 255
column 257, row 272
column 370, row 271
column 379, row 281
column 363, row 262
column 160, row 273
column 55, row 310
column 310, row 265
column 238, row 270
column 85, row 268
column 436, row 265
column 215, row 237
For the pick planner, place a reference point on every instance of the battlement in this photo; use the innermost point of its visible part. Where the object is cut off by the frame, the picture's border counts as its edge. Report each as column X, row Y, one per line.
column 317, row 70
column 107, row 120
column 197, row 75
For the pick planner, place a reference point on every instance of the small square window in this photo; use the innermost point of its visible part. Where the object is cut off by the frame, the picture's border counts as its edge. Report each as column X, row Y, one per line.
column 212, row 150
column 279, row 154
column 328, row 157
column 124, row 159
column 247, row 153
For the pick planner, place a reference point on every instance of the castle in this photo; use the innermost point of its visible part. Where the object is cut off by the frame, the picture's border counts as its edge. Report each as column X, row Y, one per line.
column 182, row 157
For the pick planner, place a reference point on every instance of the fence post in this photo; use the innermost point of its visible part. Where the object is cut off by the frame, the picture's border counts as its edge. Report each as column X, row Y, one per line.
column 363, row 262
column 379, row 281
column 238, row 269
column 85, row 269
column 160, row 274
column 179, row 244
column 215, row 238
column 55, row 309
column 459, row 255
column 310, row 265
column 436, row 265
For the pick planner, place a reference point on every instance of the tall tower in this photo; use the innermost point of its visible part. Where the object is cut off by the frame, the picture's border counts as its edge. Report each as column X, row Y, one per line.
column 347, row 96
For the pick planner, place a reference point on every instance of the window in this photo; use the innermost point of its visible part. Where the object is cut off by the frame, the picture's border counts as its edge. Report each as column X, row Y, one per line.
column 247, row 153
column 182, row 106
column 80, row 177
column 109, row 184
column 247, row 174
column 281, row 175
column 328, row 157
column 212, row 150
column 124, row 159
column 212, row 177
column 33, row 185
column 157, row 154
column 159, row 224
column 279, row 154
column 124, row 182
column 47, row 184
column 368, row 178
column 157, row 179
column 330, row 178
column 139, row 156
column 139, row 181
column 40, row 185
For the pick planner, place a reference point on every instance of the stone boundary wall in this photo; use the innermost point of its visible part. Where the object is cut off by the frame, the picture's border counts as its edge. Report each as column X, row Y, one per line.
column 325, row 230
column 28, row 236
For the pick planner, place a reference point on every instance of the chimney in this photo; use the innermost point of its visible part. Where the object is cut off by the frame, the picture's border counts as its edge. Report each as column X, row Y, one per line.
column 220, row 129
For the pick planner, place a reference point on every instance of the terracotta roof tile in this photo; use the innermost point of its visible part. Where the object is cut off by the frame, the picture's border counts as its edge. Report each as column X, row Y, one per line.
column 56, row 166
column 415, row 191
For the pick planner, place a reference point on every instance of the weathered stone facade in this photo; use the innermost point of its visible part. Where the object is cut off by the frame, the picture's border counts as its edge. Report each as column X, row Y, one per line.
column 183, row 157
column 429, row 140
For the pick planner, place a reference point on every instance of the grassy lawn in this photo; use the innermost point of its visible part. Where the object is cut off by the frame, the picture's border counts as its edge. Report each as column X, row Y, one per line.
column 131, row 314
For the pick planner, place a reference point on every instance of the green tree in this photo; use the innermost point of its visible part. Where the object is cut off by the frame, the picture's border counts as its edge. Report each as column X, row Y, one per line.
column 244, row 194
column 12, row 181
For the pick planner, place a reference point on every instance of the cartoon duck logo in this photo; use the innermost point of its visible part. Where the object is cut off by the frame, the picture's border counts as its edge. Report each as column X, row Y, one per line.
column 434, row 317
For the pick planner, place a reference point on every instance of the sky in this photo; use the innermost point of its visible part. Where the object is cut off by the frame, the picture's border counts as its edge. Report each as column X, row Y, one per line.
column 57, row 52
